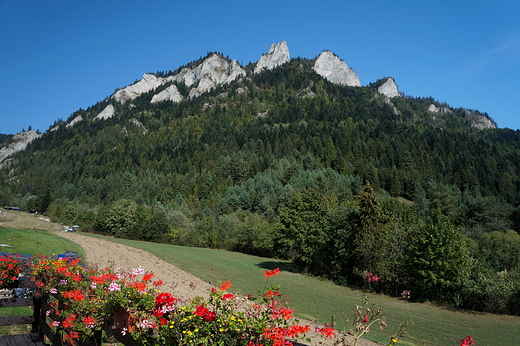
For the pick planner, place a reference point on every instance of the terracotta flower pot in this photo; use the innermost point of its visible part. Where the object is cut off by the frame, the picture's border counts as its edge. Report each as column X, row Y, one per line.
column 125, row 319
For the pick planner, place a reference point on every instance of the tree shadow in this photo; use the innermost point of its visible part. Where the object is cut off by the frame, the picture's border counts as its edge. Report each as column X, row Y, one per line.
column 283, row 265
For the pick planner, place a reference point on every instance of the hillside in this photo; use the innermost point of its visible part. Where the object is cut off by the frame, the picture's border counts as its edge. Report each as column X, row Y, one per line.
column 291, row 158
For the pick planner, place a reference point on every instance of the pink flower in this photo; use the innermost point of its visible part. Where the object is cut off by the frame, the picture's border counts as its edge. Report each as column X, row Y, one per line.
column 123, row 331
column 138, row 270
column 369, row 277
column 114, row 287
column 53, row 291
column 146, row 324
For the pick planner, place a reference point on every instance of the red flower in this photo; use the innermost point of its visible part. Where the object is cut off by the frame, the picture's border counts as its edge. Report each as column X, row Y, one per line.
column 271, row 294
column 89, row 321
column 365, row 319
column 206, row 315
column 164, row 299
column 225, row 286
column 228, row 296
column 369, row 277
column 69, row 321
column 269, row 273
column 158, row 283
column 327, row 332
column 140, row 286
column 148, row 276
column 468, row 341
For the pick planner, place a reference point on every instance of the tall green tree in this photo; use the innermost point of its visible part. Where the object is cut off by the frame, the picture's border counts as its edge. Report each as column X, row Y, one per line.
column 436, row 259
column 369, row 241
column 305, row 229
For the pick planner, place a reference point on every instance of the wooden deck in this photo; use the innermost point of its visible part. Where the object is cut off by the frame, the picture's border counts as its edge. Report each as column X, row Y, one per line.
column 21, row 340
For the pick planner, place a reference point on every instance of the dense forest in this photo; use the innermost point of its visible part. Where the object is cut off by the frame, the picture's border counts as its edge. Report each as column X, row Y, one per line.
column 285, row 164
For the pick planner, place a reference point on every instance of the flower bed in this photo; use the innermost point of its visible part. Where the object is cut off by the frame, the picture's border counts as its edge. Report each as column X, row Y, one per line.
column 83, row 301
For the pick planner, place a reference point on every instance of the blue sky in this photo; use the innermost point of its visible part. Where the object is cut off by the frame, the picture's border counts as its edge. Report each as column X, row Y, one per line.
column 59, row 56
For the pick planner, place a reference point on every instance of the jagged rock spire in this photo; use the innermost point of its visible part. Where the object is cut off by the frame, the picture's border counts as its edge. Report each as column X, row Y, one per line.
column 277, row 55
column 335, row 70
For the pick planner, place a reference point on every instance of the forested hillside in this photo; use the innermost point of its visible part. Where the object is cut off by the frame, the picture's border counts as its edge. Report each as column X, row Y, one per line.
column 284, row 163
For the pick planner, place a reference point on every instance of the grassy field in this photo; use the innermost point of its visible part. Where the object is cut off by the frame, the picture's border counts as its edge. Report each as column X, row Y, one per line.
column 36, row 242
column 318, row 299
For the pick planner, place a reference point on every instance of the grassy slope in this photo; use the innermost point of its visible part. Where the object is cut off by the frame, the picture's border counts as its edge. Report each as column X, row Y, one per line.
column 36, row 242
column 310, row 297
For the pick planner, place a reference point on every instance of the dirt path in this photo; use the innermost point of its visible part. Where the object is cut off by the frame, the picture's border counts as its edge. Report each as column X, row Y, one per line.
column 101, row 253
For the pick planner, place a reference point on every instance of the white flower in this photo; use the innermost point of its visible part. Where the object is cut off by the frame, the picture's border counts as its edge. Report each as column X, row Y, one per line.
column 138, row 270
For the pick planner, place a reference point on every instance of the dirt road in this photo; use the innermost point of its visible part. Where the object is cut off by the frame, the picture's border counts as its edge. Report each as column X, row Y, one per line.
column 101, row 253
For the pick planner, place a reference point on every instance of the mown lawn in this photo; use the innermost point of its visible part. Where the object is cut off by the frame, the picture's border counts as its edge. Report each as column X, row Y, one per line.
column 36, row 242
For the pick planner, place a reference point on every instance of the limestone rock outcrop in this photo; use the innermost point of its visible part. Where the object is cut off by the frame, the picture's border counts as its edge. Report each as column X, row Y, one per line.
column 19, row 143
column 75, row 120
column 106, row 113
column 171, row 93
column 389, row 88
column 277, row 55
column 335, row 70
column 479, row 121
column 205, row 84
column 435, row 109
column 235, row 71
column 147, row 83
column 212, row 71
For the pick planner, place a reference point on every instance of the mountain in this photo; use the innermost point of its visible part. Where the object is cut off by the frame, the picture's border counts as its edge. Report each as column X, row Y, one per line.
column 293, row 158
column 193, row 86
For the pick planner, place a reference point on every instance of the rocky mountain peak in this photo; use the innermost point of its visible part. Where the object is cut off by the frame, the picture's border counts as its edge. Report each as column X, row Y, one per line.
column 389, row 88
column 335, row 70
column 277, row 55
column 214, row 70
